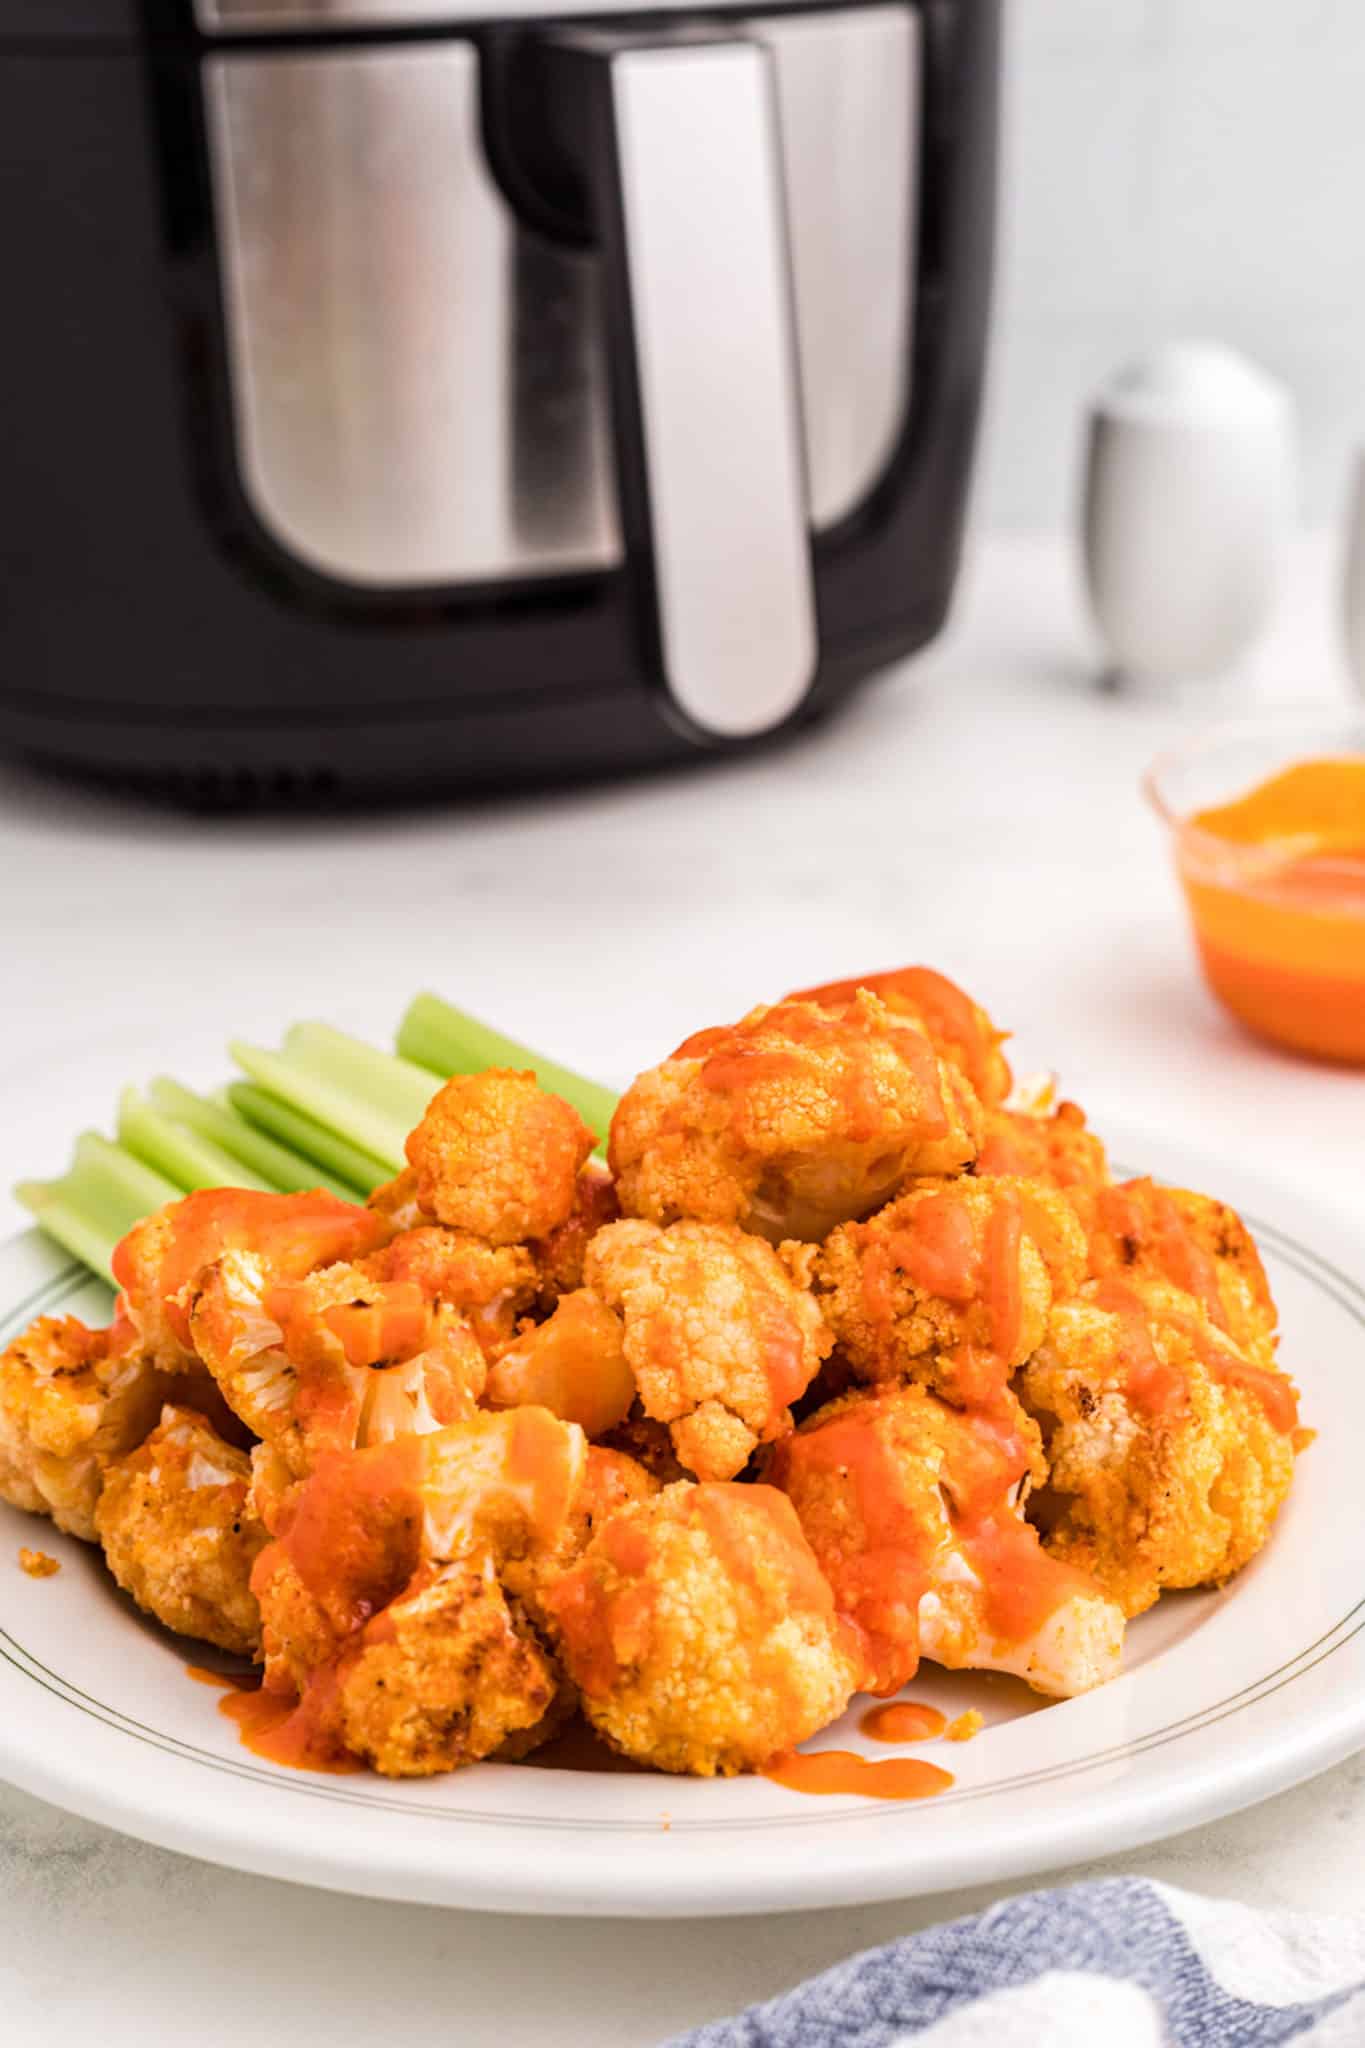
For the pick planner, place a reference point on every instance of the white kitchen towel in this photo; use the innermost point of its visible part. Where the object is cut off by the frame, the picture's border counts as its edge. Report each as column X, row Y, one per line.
column 1121, row 1963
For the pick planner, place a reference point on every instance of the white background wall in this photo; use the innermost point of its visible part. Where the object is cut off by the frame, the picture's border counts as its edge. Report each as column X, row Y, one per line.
column 1176, row 167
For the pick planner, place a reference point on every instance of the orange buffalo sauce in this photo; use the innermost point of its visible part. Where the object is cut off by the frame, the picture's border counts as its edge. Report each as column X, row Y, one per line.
column 835, row 1772
column 296, row 1232
column 947, row 1012
column 289, row 1731
column 223, row 1681
column 1276, row 889
column 1152, row 1386
column 903, row 1721
column 277, row 1726
column 1275, row 1391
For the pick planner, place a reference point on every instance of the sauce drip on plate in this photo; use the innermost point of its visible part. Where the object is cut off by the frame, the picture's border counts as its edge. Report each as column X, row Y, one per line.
column 903, row 1721
column 834, row 1773
column 274, row 1726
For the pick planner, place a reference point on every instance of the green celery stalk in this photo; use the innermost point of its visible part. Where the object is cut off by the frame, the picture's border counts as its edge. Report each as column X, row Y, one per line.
column 279, row 1166
column 183, row 1155
column 374, row 1129
column 377, row 1078
column 309, row 1139
column 96, row 1202
column 435, row 1034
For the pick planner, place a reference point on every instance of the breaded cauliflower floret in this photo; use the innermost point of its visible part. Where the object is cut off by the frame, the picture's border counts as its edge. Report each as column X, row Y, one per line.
column 336, row 1360
column 719, row 1336
column 1168, row 1451
column 1056, row 1147
column 951, row 1284
column 611, row 1481
column 960, row 1029
column 178, row 1533
column 574, row 1364
column 496, row 1155
column 792, row 1121
column 69, row 1406
column 492, row 1286
column 351, row 1536
column 396, row 1202
column 700, row 1632
column 160, row 1259
column 1196, row 1244
column 914, row 1513
column 447, row 1674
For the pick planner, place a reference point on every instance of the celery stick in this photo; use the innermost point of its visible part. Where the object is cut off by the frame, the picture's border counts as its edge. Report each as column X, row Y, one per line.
column 183, row 1155
column 346, row 1163
column 376, row 1078
column 280, row 1167
column 96, row 1202
column 132, row 1181
column 69, row 1226
column 435, row 1034
column 346, row 1113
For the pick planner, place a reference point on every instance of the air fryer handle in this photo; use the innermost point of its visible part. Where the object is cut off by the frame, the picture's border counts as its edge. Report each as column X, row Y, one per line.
column 675, row 140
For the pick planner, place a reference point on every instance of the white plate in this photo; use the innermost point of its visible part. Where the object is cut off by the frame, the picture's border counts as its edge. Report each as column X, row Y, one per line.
column 1227, row 1697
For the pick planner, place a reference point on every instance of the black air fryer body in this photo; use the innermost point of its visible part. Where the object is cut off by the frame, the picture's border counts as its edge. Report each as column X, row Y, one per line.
column 211, row 573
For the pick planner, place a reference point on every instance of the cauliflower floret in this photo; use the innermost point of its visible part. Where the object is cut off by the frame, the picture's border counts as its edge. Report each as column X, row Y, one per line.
column 719, row 1336
column 388, row 1596
column 160, row 1259
column 178, row 1533
column 951, row 1284
column 960, row 1029
column 1196, row 1244
column 1169, row 1452
column 396, row 1202
column 792, row 1121
column 492, row 1286
column 497, row 1156
column 574, row 1364
column 1055, row 1146
column 700, row 1633
column 475, row 1269
column 71, row 1402
column 352, row 1535
column 913, row 1511
column 611, row 1481
column 334, row 1360
column 445, row 1675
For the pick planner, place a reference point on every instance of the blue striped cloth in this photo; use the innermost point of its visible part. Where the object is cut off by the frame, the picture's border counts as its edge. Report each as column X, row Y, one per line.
column 1120, row 1963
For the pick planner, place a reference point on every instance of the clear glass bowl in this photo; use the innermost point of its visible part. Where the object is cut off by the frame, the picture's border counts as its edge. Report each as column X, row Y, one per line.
column 1280, row 930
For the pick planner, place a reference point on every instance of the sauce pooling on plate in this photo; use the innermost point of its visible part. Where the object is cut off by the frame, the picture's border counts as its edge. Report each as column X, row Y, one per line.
column 834, row 1773
column 1280, row 920
column 903, row 1721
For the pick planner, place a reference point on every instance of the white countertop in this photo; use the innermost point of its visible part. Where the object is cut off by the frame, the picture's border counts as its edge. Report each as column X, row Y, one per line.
column 978, row 811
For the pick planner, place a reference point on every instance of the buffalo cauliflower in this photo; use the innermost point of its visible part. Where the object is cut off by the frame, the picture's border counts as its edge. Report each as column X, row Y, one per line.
column 913, row 1511
column 960, row 1029
column 951, row 1283
column 719, row 1336
column 1168, row 1451
column 159, row 1261
column 700, row 1632
column 792, row 1121
column 178, row 1535
column 71, row 1402
column 499, row 1157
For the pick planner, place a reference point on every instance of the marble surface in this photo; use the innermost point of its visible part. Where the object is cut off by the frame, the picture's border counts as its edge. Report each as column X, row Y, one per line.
column 979, row 810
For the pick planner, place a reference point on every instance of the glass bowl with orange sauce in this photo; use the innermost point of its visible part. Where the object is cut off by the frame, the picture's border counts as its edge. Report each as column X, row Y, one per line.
column 1268, row 823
